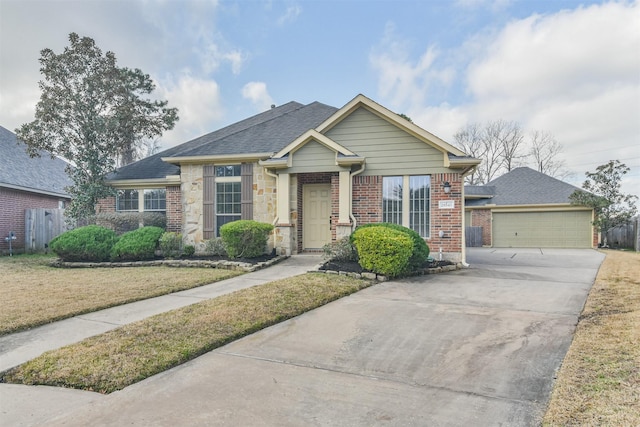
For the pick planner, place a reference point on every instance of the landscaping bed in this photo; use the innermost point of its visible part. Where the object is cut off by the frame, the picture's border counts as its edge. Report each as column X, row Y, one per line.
column 354, row 269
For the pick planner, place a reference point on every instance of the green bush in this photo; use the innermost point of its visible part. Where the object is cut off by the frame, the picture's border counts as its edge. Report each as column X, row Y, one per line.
column 91, row 243
column 341, row 250
column 171, row 244
column 420, row 251
column 215, row 247
column 188, row 251
column 123, row 222
column 137, row 245
column 383, row 250
column 245, row 238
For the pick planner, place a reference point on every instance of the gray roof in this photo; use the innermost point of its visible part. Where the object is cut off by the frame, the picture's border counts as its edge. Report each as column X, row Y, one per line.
column 522, row 186
column 267, row 132
column 39, row 174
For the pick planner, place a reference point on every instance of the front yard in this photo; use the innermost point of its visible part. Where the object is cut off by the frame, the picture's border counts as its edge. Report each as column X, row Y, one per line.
column 33, row 293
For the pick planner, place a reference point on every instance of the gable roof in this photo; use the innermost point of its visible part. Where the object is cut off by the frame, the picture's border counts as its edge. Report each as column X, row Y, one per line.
column 260, row 135
column 42, row 174
column 521, row 186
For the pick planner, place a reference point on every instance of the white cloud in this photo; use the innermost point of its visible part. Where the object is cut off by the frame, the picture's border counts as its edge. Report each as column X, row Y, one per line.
column 258, row 94
column 290, row 15
column 199, row 106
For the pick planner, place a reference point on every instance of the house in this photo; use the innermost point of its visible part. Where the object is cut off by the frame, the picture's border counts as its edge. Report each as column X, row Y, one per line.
column 526, row 208
column 26, row 183
column 314, row 171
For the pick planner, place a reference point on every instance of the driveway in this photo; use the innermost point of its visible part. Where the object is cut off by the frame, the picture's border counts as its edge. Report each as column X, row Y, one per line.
column 478, row 346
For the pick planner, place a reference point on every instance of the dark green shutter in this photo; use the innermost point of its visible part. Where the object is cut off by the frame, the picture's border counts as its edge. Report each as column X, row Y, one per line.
column 246, row 191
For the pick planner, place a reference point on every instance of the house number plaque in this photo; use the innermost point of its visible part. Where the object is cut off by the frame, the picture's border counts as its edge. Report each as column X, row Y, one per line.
column 446, row 204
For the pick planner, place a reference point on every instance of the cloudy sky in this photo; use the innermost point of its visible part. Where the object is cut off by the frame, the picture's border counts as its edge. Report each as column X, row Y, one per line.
column 571, row 68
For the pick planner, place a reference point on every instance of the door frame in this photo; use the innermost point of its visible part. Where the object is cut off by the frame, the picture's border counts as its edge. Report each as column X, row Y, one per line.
column 305, row 189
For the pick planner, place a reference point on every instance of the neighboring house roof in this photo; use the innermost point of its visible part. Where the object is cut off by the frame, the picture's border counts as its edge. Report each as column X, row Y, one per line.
column 42, row 174
column 521, row 186
column 264, row 133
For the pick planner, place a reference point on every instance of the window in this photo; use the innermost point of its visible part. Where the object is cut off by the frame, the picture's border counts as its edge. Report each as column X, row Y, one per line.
column 127, row 200
column 228, row 195
column 155, row 200
column 405, row 201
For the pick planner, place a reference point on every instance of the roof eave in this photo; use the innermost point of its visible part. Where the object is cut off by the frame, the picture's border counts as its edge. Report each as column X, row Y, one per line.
column 35, row 190
column 144, row 183
column 217, row 158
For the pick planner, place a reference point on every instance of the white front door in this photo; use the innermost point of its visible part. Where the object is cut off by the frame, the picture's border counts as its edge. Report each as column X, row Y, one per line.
column 316, row 212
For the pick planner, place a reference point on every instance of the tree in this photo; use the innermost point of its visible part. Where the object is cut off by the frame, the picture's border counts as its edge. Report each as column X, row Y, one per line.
column 506, row 137
column 544, row 151
column 612, row 207
column 92, row 113
column 470, row 140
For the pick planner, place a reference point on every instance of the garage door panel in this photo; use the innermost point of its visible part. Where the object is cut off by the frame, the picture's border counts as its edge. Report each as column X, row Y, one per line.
column 571, row 229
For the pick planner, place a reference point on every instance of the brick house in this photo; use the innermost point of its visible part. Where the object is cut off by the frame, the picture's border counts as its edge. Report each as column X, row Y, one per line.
column 314, row 171
column 26, row 183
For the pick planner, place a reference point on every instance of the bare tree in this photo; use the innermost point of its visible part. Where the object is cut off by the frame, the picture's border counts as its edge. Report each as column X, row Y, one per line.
column 507, row 138
column 544, row 151
column 470, row 140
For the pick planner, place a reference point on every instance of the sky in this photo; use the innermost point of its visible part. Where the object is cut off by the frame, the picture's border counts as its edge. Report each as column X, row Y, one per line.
column 570, row 68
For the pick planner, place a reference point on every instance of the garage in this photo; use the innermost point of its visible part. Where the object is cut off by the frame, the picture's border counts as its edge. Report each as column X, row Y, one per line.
column 544, row 229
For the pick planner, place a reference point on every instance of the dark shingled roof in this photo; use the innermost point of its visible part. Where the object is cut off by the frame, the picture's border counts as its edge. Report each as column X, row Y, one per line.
column 39, row 174
column 267, row 132
column 523, row 186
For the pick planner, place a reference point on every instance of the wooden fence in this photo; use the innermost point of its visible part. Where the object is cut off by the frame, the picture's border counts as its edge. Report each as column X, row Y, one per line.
column 473, row 236
column 625, row 236
column 41, row 226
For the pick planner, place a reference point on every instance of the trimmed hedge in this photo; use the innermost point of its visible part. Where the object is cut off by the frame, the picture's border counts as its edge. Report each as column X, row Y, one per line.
column 171, row 244
column 91, row 243
column 137, row 245
column 245, row 238
column 420, row 251
column 383, row 250
column 123, row 222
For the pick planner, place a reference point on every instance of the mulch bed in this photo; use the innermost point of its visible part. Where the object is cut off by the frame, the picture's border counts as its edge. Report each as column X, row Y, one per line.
column 354, row 267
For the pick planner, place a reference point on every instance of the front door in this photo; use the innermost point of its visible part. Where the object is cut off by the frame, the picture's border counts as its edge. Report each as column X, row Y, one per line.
column 316, row 212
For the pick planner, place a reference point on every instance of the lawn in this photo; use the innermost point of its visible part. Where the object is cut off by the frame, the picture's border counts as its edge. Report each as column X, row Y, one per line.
column 121, row 357
column 599, row 381
column 33, row 293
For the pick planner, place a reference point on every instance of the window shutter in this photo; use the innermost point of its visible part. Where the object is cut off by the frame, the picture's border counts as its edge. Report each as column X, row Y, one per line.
column 246, row 192
column 208, row 198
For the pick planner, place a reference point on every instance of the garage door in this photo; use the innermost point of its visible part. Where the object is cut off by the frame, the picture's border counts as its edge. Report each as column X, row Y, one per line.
column 542, row 229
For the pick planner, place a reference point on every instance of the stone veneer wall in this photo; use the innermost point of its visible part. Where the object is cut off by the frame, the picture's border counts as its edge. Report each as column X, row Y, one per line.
column 191, row 180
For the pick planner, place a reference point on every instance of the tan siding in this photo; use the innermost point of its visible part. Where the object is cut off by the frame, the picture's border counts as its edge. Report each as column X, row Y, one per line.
column 314, row 157
column 388, row 149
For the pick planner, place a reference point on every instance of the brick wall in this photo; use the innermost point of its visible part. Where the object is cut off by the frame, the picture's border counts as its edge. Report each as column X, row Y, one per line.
column 12, row 206
column 367, row 199
column 108, row 204
column 482, row 218
column 174, row 208
column 447, row 220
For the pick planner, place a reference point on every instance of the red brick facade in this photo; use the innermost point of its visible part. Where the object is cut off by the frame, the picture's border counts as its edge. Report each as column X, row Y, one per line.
column 482, row 218
column 12, row 211
column 447, row 220
column 174, row 208
column 367, row 199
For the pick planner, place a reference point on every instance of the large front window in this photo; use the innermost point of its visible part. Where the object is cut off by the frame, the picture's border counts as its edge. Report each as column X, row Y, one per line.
column 127, row 200
column 228, row 195
column 405, row 201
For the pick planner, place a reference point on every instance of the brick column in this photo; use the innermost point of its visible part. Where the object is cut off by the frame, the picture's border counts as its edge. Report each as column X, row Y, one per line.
column 446, row 220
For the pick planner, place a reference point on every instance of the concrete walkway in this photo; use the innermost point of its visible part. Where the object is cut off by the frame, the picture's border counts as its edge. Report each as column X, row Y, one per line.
column 17, row 401
column 478, row 346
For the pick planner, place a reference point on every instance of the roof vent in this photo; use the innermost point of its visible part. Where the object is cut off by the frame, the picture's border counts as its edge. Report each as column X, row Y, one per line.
column 273, row 105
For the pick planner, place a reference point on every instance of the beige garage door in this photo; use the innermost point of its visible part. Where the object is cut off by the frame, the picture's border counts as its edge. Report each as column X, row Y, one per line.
column 542, row 229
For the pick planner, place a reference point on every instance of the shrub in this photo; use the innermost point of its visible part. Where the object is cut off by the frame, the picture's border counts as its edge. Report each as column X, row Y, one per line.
column 91, row 243
column 420, row 251
column 215, row 247
column 171, row 244
column 137, row 245
column 245, row 238
column 188, row 250
column 383, row 250
column 341, row 250
column 123, row 222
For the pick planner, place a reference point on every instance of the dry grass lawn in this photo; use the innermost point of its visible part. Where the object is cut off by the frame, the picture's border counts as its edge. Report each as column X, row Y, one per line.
column 599, row 381
column 33, row 293
column 126, row 355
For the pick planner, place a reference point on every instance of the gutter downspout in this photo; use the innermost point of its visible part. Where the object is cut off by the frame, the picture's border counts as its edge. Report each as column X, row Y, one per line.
column 351, row 175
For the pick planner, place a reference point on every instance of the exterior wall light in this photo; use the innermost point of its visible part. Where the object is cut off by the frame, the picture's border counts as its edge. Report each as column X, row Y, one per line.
column 447, row 187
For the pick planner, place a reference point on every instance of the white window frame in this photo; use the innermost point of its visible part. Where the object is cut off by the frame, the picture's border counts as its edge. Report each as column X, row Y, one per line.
column 223, row 180
column 141, row 200
column 406, row 203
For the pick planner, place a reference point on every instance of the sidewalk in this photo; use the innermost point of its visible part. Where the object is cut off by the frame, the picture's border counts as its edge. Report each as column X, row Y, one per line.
column 23, row 346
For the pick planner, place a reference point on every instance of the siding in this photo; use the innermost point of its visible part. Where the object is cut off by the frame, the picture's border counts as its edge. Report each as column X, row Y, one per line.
column 388, row 149
column 314, row 157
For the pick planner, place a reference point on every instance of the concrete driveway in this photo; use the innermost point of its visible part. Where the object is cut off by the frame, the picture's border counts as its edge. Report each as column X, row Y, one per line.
column 478, row 346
